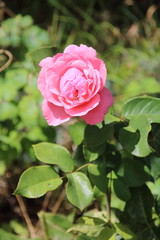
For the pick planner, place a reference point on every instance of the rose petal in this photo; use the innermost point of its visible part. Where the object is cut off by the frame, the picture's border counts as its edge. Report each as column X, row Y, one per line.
column 82, row 50
column 46, row 62
column 53, row 114
column 41, row 82
column 96, row 115
column 100, row 66
column 85, row 107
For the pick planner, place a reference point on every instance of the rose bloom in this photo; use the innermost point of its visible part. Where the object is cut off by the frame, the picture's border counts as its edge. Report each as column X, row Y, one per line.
column 72, row 84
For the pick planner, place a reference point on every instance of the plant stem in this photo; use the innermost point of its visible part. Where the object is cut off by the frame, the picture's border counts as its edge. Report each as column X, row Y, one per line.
column 26, row 216
column 108, row 196
column 59, row 201
column 43, row 224
column 103, row 123
column 108, row 205
column 78, row 169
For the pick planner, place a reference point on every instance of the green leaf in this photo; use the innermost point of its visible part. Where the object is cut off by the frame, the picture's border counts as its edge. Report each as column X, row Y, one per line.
column 107, row 233
column 98, row 176
column 94, row 136
column 109, row 118
column 34, row 239
column 17, row 77
column 129, row 138
column 76, row 132
column 91, row 220
column 7, row 236
column 79, row 191
column 55, row 225
column 154, row 187
column 29, row 115
column 155, row 166
column 132, row 172
column 141, row 111
column 85, row 237
column 124, row 231
column 36, row 181
column 89, row 230
column 121, row 189
column 7, row 111
column 54, row 154
column 92, row 153
column 38, row 54
column 138, row 213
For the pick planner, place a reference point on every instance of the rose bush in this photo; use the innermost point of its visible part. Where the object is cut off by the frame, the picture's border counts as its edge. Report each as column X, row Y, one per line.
column 72, row 84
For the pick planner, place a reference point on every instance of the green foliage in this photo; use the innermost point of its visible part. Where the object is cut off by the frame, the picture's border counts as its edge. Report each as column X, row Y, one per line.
column 36, row 181
column 79, row 191
column 54, row 154
column 7, row 236
column 60, row 223
column 141, row 112
column 118, row 161
column 41, row 53
column 76, row 132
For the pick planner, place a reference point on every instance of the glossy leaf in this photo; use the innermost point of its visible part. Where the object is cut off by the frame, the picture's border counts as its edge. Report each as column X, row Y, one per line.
column 36, row 181
column 54, row 154
column 107, row 233
column 121, row 189
column 89, row 230
column 95, row 136
column 92, row 153
column 109, row 118
column 138, row 213
column 79, row 191
column 141, row 111
column 132, row 172
column 76, row 132
column 155, row 166
column 98, row 176
column 125, row 232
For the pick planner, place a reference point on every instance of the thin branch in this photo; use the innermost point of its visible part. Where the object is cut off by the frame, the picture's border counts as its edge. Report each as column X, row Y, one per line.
column 46, row 200
column 108, row 205
column 108, row 196
column 10, row 58
column 59, row 201
column 85, row 165
column 26, row 216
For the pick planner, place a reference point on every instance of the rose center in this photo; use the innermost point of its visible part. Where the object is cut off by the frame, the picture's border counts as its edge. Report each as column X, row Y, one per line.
column 73, row 85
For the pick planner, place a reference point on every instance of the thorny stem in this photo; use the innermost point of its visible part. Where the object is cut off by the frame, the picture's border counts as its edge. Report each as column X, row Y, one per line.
column 26, row 216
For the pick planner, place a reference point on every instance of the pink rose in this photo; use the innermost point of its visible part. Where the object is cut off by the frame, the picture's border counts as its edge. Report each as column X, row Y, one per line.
column 72, row 84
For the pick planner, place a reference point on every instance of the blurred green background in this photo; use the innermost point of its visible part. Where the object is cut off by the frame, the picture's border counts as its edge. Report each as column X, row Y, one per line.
column 126, row 35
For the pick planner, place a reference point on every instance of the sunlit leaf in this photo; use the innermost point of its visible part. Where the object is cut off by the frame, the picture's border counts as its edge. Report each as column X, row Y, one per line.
column 77, row 131
column 141, row 111
column 79, row 191
column 36, row 181
column 54, row 154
